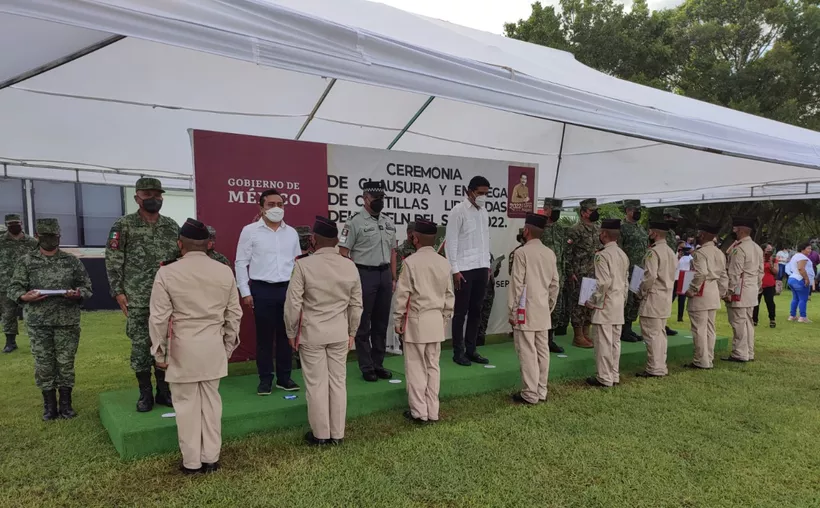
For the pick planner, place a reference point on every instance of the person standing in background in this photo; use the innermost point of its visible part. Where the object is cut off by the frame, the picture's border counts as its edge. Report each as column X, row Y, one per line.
column 770, row 271
column 369, row 239
column 672, row 216
column 745, row 269
column 14, row 244
column 265, row 255
column 137, row 244
column 801, row 281
column 487, row 305
column 783, row 257
column 634, row 243
column 468, row 251
column 582, row 244
column 683, row 264
column 555, row 239
column 212, row 253
column 406, row 248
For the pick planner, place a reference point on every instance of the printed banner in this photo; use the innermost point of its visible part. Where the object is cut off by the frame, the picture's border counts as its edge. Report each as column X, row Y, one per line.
column 521, row 194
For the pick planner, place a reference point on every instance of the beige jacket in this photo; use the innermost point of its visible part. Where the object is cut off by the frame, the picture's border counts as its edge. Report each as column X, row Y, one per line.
column 709, row 265
column 199, row 296
column 424, row 297
column 611, row 267
column 745, row 267
column 536, row 268
column 324, row 301
column 660, row 265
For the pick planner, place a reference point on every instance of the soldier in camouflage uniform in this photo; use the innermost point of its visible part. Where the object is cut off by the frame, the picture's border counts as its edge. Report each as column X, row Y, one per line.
column 213, row 254
column 487, row 306
column 406, row 248
column 14, row 244
column 555, row 238
column 304, row 239
column 137, row 244
column 53, row 322
column 671, row 216
column 582, row 243
column 634, row 242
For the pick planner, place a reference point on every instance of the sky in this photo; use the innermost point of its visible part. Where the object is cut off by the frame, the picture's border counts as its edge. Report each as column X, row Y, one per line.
column 487, row 15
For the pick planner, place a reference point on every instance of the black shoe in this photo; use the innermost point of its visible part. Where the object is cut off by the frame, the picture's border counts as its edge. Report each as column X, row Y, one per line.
column 383, row 373
column 593, row 381
column 163, row 397
column 477, row 358
column 264, row 388
column 462, row 360
column 314, row 441
column 637, row 336
column 337, row 442
column 11, row 343
column 645, row 374
column 733, row 359
column 210, row 468
column 409, row 415
column 628, row 337
column 695, row 367
column 187, row 471
column 370, row 377
column 555, row 348
column 66, row 411
column 670, row 332
column 288, row 386
column 146, row 400
column 754, row 323
column 50, row 405
column 561, row 330
column 518, row 399
column 772, row 324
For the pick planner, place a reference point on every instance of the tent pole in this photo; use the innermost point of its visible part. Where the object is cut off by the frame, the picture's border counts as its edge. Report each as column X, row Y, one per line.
column 560, row 158
column 315, row 108
column 411, row 122
column 60, row 61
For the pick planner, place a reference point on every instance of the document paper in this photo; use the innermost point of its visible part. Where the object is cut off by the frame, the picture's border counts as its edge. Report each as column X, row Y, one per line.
column 588, row 287
column 637, row 278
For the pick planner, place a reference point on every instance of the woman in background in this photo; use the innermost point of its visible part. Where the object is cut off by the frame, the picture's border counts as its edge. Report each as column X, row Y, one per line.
column 801, row 281
column 770, row 271
column 684, row 264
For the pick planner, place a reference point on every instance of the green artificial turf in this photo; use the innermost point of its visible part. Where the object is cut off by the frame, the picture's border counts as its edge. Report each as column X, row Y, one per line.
column 739, row 435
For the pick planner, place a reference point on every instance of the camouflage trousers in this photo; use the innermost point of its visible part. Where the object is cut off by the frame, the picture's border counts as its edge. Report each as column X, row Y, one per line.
column 54, row 349
column 136, row 328
column 579, row 315
column 486, row 309
column 560, row 314
column 10, row 310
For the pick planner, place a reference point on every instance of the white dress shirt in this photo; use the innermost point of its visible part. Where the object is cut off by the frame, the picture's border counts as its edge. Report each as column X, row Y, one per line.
column 264, row 254
column 467, row 242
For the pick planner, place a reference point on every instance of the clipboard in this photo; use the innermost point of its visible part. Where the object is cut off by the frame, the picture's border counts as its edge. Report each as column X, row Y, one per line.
column 636, row 279
column 685, row 278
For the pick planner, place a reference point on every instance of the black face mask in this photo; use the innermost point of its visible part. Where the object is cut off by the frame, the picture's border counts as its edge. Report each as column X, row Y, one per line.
column 651, row 240
column 49, row 243
column 377, row 205
column 520, row 238
column 594, row 216
column 555, row 215
column 152, row 205
column 636, row 215
column 15, row 229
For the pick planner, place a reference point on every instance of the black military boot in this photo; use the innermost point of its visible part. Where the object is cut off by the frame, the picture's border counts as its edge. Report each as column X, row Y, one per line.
column 163, row 390
column 146, row 401
column 66, row 411
column 50, row 405
column 11, row 343
column 670, row 332
column 554, row 348
column 626, row 333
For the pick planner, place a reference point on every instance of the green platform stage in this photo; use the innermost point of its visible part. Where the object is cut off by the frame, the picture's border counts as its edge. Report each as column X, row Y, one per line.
column 140, row 434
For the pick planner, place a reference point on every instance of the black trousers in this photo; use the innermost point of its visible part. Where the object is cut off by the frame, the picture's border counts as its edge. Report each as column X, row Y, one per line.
column 681, row 301
column 269, row 316
column 469, row 300
column 768, row 294
column 371, row 337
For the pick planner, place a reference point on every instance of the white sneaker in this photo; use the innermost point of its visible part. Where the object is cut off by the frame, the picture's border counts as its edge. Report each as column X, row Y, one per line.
column 792, row 318
column 804, row 320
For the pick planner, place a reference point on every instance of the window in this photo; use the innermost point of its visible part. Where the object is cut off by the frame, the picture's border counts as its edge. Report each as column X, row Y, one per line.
column 100, row 206
column 85, row 211
column 11, row 199
column 58, row 200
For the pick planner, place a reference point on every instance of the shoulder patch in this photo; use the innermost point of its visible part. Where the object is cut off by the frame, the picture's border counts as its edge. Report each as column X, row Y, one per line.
column 569, row 241
column 168, row 262
column 345, row 232
column 598, row 258
column 649, row 254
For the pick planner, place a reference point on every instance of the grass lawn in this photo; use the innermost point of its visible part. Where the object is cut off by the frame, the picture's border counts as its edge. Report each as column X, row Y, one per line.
column 740, row 435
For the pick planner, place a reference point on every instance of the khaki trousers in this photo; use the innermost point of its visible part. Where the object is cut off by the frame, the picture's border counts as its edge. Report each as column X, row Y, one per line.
column 421, row 366
column 324, row 371
column 653, row 331
column 607, row 343
column 534, row 357
column 199, row 421
column 703, row 336
column 743, row 339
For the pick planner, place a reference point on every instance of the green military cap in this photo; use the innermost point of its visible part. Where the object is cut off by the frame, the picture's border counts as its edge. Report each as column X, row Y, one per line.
column 211, row 233
column 147, row 183
column 672, row 212
column 553, row 203
column 302, row 230
column 411, row 226
column 632, row 203
column 589, row 204
column 13, row 217
column 48, row 227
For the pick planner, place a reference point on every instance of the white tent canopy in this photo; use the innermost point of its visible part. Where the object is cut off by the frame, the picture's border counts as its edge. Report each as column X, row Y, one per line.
column 81, row 102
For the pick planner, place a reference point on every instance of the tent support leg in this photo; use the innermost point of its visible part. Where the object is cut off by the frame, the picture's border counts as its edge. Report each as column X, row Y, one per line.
column 411, row 122
column 560, row 158
column 315, row 108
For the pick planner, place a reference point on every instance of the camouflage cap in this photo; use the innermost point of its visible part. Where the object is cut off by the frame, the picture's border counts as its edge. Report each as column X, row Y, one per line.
column 13, row 217
column 211, row 233
column 48, row 227
column 589, row 204
column 672, row 212
column 304, row 236
column 632, row 203
column 553, row 203
column 411, row 226
column 147, row 183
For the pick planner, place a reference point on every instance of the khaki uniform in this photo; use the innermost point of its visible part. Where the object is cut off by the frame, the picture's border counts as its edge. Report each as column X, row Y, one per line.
column 611, row 267
column 536, row 270
column 660, row 265
column 199, row 296
column 323, row 309
column 709, row 265
column 745, row 270
column 424, row 303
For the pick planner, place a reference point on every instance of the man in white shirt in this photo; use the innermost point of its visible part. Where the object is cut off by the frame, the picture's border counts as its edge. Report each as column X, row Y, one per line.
column 265, row 257
column 783, row 258
column 467, row 245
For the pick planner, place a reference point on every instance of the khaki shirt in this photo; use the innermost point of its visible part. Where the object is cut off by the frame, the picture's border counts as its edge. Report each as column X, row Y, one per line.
column 424, row 297
column 745, row 270
column 709, row 265
column 324, row 301
column 197, row 297
column 611, row 267
column 369, row 239
column 535, row 268
column 660, row 265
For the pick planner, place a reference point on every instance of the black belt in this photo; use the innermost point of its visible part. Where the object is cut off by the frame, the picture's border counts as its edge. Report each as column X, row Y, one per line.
column 271, row 284
column 379, row 268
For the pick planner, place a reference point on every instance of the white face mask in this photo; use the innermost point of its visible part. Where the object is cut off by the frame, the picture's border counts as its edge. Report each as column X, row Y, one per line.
column 275, row 214
column 480, row 201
